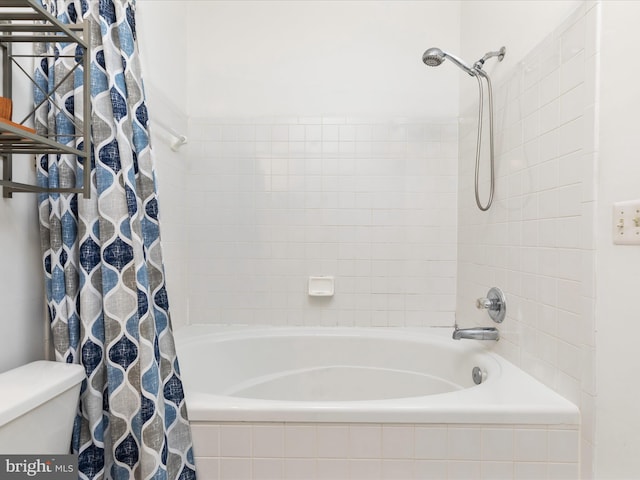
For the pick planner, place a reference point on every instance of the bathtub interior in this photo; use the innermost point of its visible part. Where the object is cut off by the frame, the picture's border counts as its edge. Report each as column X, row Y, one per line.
column 316, row 365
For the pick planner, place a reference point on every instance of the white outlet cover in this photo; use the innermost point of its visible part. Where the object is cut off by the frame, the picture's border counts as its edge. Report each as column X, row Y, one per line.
column 626, row 223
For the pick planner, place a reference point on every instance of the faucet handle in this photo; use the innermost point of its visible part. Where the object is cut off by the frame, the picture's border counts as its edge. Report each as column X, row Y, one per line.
column 483, row 302
column 495, row 304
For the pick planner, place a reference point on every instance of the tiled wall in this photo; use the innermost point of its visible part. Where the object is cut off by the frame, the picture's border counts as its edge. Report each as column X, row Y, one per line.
column 537, row 241
column 371, row 202
column 374, row 451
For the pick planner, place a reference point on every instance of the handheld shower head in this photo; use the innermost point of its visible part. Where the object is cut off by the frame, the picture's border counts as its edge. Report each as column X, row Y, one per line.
column 434, row 57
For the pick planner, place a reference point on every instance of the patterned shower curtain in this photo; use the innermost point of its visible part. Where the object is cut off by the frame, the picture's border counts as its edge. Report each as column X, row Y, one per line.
column 102, row 259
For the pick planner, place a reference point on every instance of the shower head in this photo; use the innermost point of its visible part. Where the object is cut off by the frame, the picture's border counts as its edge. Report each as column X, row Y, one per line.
column 434, row 57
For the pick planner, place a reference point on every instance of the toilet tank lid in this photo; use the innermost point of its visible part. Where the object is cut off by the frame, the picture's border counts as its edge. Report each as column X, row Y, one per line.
column 29, row 386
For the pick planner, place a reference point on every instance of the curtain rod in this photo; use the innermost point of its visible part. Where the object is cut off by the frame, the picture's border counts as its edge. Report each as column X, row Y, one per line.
column 179, row 138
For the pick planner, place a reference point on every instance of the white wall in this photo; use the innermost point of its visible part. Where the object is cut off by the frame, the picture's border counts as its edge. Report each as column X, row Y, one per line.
column 21, row 283
column 618, row 328
column 164, row 73
column 22, row 323
column 317, row 57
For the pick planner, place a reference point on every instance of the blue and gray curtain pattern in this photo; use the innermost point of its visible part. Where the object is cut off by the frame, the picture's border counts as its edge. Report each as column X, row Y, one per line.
column 103, row 264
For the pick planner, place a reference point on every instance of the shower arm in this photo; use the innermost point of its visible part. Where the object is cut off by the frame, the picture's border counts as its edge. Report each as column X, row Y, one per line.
column 497, row 53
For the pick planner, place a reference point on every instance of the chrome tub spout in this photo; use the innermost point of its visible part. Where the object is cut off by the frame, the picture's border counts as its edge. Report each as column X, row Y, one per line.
column 476, row 333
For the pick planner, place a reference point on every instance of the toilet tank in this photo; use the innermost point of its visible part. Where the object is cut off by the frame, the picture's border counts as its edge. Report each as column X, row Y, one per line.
column 38, row 404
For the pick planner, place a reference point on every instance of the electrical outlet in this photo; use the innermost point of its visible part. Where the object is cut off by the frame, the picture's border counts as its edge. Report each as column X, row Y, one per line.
column 626, row 223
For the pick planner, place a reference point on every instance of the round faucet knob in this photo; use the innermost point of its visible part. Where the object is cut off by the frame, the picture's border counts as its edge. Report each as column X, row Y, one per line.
column 483, row 303
column 495, row 304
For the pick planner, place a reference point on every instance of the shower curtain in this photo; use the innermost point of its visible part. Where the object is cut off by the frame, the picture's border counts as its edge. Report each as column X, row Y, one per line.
column 102, row 260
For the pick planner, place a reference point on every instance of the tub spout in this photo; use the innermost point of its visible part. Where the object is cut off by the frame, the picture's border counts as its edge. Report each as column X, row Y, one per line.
column 477, row 333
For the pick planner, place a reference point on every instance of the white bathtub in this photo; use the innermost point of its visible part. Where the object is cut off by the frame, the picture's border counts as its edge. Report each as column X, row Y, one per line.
column 235, row 374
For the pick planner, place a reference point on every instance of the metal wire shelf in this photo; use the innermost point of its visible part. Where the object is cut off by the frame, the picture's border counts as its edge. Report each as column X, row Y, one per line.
column 26, row 21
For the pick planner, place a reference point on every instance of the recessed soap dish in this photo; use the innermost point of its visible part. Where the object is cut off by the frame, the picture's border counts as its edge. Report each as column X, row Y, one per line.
column 321, row 286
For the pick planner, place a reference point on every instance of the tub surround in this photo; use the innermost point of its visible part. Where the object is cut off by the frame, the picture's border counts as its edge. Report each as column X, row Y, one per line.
column 368, row 200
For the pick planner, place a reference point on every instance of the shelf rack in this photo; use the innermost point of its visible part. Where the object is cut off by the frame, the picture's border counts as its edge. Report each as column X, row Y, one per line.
column 26, row 21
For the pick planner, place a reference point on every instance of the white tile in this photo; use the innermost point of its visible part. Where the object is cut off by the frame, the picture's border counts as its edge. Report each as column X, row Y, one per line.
column 564, row 446
column 549, row 87
column 586, row 460
column 365, row 469
column 563, row 471
column 268, row 441
column 235, row 441
column 571, row 137
column 235, row 468
column 397, row 469
column 573, row 40
column 267, row 469
column 300, row 441
column 397, row 441
column 497, row 471
column 430, row 469
column 333, row 441
column 497, row 444
column 530, row 471
column 300, row 468
column 280, row 133
column 347, row 133
column 208, row 467
column 462, row 470
column 572, row 72
column 464, row 443
column 332, row 469
column 572, row 104
column 206, row 440
column 530, row 445
column 365, row 441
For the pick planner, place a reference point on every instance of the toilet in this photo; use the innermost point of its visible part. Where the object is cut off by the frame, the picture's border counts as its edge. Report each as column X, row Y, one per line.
column 38, row 404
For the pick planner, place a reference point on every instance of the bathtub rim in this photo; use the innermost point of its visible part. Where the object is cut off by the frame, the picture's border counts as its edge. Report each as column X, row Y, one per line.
column 515, row 397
